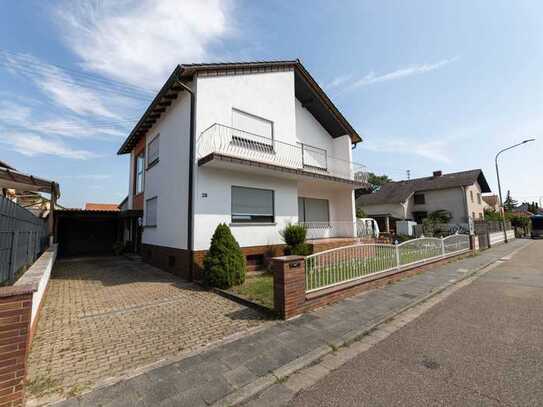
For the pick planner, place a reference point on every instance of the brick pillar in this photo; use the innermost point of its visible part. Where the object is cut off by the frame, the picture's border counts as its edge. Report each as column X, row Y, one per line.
column 15, row 314
column 288, row 285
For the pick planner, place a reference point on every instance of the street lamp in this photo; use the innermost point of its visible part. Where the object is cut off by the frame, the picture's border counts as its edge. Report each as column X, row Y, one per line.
column 500, row 187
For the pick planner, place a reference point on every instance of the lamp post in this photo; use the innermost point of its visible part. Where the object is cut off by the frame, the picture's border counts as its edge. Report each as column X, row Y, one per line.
column 499, row 185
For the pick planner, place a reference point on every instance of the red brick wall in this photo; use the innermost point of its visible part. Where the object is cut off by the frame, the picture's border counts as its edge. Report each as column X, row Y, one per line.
column 15, row 312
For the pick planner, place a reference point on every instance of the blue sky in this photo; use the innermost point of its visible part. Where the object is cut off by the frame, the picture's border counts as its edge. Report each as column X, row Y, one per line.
column 429, row 85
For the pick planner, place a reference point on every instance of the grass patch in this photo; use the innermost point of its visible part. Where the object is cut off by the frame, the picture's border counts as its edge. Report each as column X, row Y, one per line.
column 256, row 288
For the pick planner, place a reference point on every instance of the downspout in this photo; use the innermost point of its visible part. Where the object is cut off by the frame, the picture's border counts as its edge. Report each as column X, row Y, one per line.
column 465, row 198
column 190, row 206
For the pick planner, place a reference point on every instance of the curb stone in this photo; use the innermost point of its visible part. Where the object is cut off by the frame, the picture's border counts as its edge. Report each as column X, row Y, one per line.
column 279, row 375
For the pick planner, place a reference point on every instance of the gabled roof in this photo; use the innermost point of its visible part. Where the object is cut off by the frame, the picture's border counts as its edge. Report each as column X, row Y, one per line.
column 308, row 92
column 396, row 192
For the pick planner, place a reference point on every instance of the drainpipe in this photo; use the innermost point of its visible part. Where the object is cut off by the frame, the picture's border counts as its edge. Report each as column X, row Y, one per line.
column 190, row 223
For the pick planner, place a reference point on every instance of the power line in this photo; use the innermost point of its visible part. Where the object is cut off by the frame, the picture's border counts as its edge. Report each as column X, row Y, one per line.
column 82, row 74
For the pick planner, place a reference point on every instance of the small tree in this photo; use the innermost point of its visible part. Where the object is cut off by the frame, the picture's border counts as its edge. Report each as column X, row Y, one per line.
column 224, row 263
column 509, row 204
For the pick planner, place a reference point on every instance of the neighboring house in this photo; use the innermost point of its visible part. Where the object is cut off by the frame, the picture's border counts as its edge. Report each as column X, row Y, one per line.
column 101, row 207
column 254, row 145
column 458, row 193
column 491, row 202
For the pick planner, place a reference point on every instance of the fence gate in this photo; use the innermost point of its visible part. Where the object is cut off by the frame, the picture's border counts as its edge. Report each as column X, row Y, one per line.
column 482, row 233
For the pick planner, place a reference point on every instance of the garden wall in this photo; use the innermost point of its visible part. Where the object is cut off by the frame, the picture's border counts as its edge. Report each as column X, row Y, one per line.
column 19, row 310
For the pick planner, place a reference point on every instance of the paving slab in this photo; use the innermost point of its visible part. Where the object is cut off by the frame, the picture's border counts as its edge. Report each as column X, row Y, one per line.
column 251, row 359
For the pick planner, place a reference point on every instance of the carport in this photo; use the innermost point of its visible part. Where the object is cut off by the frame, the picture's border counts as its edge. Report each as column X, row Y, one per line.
column 82, row 232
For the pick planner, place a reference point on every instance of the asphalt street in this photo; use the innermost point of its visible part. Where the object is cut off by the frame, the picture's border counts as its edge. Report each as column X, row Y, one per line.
column 481, row 346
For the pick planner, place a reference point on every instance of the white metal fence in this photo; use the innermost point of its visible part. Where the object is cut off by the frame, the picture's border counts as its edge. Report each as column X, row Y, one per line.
column 23, row 236
column 233, row 142
column 345, row 264
column 324, row 230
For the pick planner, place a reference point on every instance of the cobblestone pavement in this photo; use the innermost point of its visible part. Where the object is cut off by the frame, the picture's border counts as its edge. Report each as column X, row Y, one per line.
column 104, row 316
column 254, row 362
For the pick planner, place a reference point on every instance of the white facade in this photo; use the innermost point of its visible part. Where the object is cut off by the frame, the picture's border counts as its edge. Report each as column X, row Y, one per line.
column 461, row 202
column 264, row 105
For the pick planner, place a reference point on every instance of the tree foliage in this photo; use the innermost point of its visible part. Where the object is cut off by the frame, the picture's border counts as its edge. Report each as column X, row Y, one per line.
column 224, row 263
column 375, row 183
column 509, row 204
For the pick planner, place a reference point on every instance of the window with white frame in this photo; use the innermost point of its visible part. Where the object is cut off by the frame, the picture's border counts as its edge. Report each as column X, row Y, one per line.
column 153, row 151
column 479, row 198
column 140, row 164
column 252, row 205
column 151, row 209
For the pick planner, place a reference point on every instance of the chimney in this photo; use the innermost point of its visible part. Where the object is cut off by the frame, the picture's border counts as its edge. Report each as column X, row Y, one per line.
column 438, row 173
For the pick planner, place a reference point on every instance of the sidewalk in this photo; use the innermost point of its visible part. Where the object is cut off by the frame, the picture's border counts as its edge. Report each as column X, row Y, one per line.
column 228, row 374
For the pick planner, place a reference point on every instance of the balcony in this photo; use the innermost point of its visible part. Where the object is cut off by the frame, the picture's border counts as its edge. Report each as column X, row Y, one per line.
column 220, row 143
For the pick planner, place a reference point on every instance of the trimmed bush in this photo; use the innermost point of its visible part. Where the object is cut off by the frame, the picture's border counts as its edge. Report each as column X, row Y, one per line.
column 294, row 237
column 224, row 263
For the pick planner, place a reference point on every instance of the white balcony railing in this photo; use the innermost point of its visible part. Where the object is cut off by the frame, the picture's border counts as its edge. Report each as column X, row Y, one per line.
column 324, row 230
column 224, row 140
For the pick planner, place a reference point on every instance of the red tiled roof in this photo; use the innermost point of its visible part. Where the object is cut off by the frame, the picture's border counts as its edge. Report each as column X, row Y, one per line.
column 89, row 206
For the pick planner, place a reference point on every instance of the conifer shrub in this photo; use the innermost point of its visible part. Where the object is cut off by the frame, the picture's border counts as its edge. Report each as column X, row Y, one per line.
column 224, row 263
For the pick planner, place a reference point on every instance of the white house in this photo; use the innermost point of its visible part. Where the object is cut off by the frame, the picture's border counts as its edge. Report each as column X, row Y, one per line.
column 254, row 145
column 459, row 193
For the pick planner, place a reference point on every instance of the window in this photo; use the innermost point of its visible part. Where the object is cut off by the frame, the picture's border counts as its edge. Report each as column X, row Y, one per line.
column 313, row 210
column 419, row 199
column 153, row 151
column 473, row 215
column 471, row 195
column 250, row 131
column 151, row 211
column 478, row 198
column 140, row 163
column 252, row 124
column 252, row 205
column 314, row 157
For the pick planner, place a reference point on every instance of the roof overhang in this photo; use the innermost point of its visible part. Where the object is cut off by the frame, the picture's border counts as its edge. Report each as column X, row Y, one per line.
column 307, row 91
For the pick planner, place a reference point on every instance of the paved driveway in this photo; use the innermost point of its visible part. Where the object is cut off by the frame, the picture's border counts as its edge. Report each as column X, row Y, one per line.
column 105, row 316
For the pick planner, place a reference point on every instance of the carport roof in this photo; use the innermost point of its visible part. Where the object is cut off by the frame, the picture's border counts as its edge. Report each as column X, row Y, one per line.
column 13, row 179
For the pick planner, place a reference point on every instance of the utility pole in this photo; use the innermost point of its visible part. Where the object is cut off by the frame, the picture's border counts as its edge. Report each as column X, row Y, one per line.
column 408, row 174
column 499, row 185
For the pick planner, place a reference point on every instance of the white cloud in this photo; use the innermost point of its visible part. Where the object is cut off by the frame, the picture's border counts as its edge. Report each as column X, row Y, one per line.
column 434, row 150
column 141, row 41
column 32, row 145
column 23, row 117
column 337, row 82
column 59, row 86
column 373, row 78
